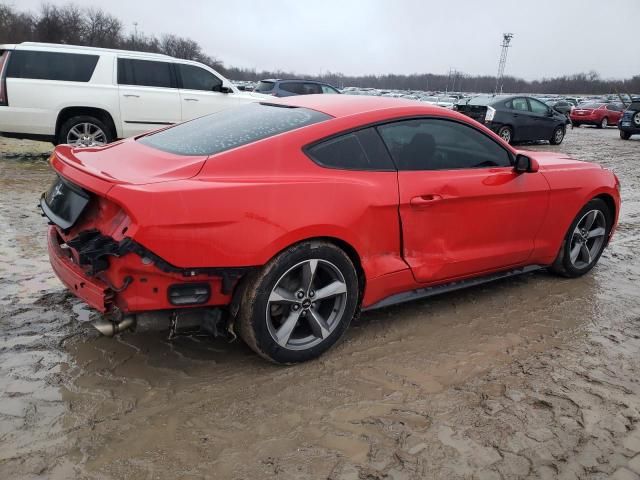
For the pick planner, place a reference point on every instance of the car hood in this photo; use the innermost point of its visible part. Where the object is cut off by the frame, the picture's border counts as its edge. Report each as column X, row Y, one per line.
column 130, row 162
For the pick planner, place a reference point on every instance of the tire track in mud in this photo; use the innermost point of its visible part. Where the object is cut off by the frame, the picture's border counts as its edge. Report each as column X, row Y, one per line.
column 535, row 377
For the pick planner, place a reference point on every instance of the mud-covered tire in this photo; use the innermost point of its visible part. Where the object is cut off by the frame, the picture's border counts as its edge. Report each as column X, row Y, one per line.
column 506, row 133
column 563, row 265
column 107, row 134
column 625, row 135
column 558, row 136
column 255, row 322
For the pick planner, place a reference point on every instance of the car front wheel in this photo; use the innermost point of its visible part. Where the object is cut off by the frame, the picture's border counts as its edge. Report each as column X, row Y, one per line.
column 604, row 123
column 300, row 303
column 585, row 240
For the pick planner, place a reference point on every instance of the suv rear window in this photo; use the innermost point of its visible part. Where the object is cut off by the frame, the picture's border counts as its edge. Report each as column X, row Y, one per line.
column 147, row 73
column 70, row 67
column 231, row 128
column 264, row 87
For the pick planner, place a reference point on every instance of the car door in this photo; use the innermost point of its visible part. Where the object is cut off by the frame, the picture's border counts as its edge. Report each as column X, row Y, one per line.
column 614, row 112
column 521, row 118
column 201, row 92
column 544, row 122
column 149, row 96
column 464, row 210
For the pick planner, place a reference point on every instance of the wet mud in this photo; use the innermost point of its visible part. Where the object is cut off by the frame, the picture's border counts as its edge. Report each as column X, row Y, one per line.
column 532, row 377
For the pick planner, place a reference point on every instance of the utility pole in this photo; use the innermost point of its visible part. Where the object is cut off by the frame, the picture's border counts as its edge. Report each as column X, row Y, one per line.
column 506, row 43
column 135, row 34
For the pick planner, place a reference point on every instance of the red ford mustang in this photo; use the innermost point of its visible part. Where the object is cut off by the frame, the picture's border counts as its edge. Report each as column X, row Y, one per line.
column 281, row 221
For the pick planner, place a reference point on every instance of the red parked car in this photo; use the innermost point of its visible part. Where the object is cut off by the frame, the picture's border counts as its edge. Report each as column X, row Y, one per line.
column 281, row 221
column 599, row 114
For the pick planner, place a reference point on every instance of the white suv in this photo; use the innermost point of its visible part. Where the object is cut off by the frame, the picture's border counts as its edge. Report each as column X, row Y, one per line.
column 91, row 96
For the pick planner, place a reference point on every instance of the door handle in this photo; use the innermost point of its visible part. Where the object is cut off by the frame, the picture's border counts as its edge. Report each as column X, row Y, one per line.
column 190, row 99
column 425, row 200
column 131, row 95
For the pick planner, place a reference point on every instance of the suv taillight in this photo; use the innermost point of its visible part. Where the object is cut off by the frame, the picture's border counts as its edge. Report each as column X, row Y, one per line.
column 4, row 61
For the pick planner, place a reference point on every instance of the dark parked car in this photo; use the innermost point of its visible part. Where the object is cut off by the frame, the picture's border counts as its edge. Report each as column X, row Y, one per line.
column 287, row 88
column 517, row 118
column 630, row 122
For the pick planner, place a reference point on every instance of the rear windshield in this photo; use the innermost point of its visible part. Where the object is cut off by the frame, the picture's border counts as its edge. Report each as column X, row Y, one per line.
column 264, row 87
column 231, row 128
column 634, row 106
column 590, row 105
column 482, row 101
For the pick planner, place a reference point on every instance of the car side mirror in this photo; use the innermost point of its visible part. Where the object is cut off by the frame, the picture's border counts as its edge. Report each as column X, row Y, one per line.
column 224, row 89
column 524, row 164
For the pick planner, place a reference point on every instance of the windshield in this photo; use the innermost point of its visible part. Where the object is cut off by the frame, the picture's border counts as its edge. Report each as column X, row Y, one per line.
column 231, row 128
column 264, row 86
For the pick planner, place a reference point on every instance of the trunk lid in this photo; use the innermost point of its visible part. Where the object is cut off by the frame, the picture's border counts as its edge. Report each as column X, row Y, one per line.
column 477, row 112
column 130, row 162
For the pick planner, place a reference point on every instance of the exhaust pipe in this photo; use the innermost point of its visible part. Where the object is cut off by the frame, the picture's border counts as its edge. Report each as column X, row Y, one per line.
column 109, row 328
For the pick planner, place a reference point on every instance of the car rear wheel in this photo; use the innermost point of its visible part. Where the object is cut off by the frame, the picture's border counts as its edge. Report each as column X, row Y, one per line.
column 300, row 303
column 625, row 135
column 84, row 131
column 576, row 124
column 506, row 134
column 557, row 137
column 604, row 123
column 585, row 240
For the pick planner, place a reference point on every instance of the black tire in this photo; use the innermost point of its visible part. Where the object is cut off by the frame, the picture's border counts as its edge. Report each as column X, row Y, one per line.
column 255, row 322
column 506, row 133
column 576, row 124
column 79, row 120
column 604, row 123
column 625, row 135
column 558, row 136
column 636, row 119
column 563, row 265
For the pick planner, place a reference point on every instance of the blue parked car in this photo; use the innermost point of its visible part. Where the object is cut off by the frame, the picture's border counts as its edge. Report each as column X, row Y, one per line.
column 630, row 121
column 287, row 88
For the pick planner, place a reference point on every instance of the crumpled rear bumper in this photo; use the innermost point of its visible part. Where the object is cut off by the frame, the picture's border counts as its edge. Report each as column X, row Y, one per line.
column 93, row 291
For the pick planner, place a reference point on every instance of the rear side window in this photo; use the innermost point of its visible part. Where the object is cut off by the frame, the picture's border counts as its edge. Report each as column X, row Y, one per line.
column 328, row 89
column 361, row 150
column 145, row 73
column 196, row 78
column 69, row 67
column 231, row 128
column 300, row 88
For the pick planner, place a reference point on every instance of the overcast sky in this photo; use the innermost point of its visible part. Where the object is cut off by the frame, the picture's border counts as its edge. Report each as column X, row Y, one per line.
column 552, row 37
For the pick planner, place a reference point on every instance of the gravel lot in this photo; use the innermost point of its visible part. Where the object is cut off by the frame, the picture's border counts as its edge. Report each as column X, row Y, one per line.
column 533, row 377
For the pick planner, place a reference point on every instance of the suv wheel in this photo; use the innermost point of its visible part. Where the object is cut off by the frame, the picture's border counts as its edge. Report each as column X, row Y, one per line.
column 636, row 119
column 84, row 131
column 585, row 240
column 506, row 134
column 625, row 135
column 300, row 303
column 557, row 137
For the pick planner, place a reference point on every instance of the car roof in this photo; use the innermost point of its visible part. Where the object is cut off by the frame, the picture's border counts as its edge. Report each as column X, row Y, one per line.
column 294, row 80
column 59, row 47
column 346, row 105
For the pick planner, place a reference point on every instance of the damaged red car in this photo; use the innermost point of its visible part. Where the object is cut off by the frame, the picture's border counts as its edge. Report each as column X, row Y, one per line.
column 282, row 221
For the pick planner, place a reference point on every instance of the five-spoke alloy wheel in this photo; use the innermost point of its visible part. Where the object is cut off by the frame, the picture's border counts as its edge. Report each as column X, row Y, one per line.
column 585, row 240
column 300, row 303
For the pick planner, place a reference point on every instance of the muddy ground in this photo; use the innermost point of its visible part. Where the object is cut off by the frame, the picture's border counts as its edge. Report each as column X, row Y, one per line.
column 534, row 377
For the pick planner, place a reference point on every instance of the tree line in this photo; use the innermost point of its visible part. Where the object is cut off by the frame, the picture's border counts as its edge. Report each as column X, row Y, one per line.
column 75, row 25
